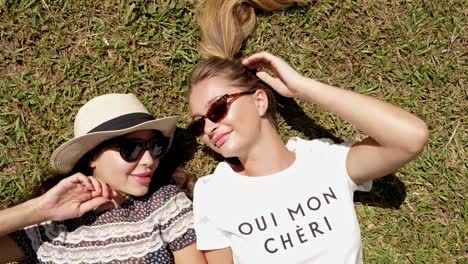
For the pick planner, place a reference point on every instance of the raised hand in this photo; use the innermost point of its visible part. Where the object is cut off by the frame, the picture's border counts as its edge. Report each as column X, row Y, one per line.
column 72, row 197
column 286, row 79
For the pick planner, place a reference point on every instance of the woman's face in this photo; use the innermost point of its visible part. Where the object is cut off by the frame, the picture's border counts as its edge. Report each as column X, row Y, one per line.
column 131, row 178
column 236, row 134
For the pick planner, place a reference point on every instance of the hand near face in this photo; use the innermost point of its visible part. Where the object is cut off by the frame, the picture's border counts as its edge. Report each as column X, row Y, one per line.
column 72, row 197
column 286, row 78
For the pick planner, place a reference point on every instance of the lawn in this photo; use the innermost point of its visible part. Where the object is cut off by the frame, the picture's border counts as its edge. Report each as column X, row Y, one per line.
column 56, row 55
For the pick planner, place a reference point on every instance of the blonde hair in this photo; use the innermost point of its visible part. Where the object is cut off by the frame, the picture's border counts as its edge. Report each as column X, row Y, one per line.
column 225, row 24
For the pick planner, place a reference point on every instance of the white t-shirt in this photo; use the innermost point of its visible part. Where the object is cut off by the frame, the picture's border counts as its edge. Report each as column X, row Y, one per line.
column 303, row 214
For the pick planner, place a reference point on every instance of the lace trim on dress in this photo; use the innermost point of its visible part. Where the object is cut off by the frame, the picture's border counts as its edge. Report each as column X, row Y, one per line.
column 169, row 210
column 116, row 251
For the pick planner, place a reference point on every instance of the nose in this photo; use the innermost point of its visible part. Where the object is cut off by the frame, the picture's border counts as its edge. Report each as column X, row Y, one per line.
column 210, row 127
column 147, row 160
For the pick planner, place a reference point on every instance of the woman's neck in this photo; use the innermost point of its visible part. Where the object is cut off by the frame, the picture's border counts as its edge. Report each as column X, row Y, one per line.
column 268, row 155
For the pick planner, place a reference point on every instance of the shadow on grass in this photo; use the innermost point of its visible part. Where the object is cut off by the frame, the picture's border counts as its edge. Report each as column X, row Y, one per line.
column 296, row 118
column 387, row 192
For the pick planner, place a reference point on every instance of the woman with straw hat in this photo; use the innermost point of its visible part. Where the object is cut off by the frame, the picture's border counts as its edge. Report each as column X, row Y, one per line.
column 104, row 212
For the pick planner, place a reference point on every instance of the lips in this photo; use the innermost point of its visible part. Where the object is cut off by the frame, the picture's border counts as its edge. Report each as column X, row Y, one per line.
column 219, row 139
column 143, row 178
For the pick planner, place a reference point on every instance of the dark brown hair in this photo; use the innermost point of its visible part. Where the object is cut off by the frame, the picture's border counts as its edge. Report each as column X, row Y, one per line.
column 167, row 173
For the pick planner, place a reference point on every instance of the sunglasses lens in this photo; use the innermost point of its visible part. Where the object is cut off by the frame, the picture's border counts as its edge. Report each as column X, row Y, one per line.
column 158, row 147
column 215, row 113
column 217, row 110
column 131, row 151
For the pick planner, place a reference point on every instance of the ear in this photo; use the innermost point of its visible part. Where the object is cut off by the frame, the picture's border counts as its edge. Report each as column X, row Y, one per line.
column 261, row 100
column 92, row 163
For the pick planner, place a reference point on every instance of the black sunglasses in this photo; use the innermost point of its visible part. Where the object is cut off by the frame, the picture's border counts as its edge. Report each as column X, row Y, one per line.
column 131, row 150
column 216, row 112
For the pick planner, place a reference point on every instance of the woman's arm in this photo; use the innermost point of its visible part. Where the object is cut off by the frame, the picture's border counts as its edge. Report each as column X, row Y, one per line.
column 219, row 256
column 11, row 220
column 189, row 255
column 70, row 198
column 19, row 217
column 395, row 136
column 9, row 250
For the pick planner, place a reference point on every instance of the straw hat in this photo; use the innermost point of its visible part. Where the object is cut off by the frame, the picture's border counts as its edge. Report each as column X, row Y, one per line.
column 102, row 118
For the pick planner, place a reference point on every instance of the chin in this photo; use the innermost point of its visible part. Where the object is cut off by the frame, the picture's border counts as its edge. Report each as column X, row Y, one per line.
column 228, row 151
column 139, row 192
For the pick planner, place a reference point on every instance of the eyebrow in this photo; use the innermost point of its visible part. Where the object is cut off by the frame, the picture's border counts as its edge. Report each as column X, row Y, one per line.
column 209, row 103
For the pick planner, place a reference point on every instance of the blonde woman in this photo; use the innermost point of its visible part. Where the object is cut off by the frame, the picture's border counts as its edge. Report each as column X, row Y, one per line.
column 282, row 203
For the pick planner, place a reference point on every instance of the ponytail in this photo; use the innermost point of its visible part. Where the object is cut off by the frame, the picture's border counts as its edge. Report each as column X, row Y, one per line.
column 225, row 24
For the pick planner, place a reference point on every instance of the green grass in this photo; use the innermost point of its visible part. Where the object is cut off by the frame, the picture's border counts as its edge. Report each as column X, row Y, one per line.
column 56, row 55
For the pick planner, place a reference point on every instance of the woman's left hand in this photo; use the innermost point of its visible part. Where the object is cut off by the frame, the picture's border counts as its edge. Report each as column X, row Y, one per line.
column 286, row 78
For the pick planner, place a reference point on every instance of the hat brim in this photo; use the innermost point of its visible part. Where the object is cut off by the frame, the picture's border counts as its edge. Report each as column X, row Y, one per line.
column 68, row 154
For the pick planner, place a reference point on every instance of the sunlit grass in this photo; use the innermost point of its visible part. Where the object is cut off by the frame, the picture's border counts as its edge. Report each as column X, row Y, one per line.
column 56, row 55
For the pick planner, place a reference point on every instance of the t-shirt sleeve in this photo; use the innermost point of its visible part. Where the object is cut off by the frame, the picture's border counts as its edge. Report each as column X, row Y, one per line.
column 25, row 244
column 342, row 154
column 334, row 155
column 177, row 225
column 209, row 236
